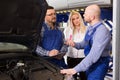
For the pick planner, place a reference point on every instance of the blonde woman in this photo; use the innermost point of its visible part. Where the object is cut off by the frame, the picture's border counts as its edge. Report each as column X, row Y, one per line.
column 75, row 31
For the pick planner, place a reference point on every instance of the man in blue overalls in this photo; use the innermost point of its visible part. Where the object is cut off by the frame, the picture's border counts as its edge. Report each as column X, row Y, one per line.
column 51, row 40
column 96, row 47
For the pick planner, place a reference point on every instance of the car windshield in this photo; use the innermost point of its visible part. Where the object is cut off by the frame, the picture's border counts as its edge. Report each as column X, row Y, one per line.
column 12, row 47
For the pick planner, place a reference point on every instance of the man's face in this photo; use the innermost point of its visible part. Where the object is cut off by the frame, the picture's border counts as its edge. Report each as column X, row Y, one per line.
column 50, row 16
column 87, row 16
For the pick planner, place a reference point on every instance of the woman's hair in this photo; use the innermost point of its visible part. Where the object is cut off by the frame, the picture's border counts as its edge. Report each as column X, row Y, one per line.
column 70, row 23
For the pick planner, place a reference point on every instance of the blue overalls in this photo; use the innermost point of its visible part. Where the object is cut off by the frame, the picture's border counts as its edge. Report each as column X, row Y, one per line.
column 53, row 39
column 98, row 70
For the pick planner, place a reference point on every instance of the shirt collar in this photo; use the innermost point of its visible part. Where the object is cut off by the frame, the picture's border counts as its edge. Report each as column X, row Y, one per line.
column 92, row 27
column 49, row 26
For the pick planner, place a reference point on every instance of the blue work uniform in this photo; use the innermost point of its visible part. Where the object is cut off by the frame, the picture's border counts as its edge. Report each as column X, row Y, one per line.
column 53, row 39
column 96, row 48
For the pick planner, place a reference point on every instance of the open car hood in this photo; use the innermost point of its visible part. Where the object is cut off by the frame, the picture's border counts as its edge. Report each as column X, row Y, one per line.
column 20, row 26
column 20, row 23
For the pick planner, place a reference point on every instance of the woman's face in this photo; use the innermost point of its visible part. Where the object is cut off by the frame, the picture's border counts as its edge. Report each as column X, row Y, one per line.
column 75, row 20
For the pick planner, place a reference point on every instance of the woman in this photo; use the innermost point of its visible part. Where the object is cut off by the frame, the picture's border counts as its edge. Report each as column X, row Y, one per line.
column 75, row 31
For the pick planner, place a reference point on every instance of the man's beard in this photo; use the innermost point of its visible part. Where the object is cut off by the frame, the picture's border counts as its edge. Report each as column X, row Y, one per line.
column 54, row 21
column 86, row 21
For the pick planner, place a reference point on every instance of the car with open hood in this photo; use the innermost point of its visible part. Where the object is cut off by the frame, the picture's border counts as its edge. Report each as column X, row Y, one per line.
column 20, row 25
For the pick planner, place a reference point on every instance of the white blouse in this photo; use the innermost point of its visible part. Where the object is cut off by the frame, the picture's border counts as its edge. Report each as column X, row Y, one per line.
column 77, row 37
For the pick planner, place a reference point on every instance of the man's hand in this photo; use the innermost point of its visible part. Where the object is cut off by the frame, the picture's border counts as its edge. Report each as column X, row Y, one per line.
column 53, row 52
column 70, row 43
column 68, row 71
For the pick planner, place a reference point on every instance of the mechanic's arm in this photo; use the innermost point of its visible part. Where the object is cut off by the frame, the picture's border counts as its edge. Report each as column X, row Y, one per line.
column 99, row 44
column 78, row 45
column 42, row 52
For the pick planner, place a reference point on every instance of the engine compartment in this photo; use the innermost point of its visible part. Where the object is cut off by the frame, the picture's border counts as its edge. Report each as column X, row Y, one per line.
column 29, row 69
